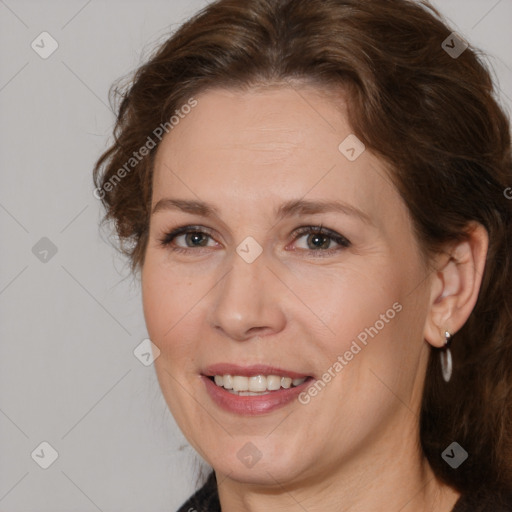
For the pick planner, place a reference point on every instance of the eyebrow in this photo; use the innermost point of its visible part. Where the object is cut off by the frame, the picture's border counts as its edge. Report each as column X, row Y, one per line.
column 287, row 209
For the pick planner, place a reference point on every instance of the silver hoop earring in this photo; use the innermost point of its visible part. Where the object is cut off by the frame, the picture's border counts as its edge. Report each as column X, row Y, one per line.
column 446, row 357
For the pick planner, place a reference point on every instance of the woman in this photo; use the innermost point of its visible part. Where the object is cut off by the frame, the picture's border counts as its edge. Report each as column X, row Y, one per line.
column 315, row 195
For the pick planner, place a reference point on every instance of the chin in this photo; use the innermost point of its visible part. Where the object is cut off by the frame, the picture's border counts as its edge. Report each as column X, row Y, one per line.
column 258, row 461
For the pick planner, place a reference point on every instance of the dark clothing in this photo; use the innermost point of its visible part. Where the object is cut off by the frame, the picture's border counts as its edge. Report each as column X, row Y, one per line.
column 206, row 499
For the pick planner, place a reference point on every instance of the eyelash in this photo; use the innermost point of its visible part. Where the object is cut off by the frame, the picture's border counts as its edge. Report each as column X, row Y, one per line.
column 306, row 230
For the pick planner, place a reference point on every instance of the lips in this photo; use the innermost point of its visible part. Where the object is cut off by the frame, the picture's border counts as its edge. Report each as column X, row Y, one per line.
column 250, row 371
column 249, row 404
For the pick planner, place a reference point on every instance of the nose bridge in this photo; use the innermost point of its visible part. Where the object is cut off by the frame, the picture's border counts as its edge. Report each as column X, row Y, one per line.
column 247, row 298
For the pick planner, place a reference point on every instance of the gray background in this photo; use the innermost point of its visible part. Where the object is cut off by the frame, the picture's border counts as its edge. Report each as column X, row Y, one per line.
column 69, row 325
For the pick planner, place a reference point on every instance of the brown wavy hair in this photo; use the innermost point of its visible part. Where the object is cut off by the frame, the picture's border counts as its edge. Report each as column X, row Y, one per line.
column 435, row 119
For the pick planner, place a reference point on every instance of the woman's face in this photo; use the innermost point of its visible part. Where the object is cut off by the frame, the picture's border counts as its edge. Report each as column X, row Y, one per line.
column 251, row 294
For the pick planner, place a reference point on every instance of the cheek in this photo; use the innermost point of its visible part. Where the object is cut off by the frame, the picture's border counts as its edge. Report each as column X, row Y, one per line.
column 166, row 298
column 343, row 303
column 175, row 307
column 375, row 349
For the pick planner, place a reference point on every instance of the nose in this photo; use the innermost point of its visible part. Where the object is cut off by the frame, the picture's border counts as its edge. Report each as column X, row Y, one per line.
column 248, row 301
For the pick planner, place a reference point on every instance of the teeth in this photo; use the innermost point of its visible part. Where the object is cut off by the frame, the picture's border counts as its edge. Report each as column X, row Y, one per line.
column 255, row 385
column 286, row 382
column 258, row 383
column 228, row 382
column 273, row 382
column 249, row 393
column 240, row 383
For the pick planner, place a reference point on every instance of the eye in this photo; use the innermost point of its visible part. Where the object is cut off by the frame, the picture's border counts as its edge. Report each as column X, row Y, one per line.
column 318, row 241
column 195, row 235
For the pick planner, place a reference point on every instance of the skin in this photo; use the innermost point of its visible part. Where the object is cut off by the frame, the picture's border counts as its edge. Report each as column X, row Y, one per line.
column 355, row 446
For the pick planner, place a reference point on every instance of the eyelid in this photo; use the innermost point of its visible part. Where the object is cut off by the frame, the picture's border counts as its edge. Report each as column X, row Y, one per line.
column 321, row 230
column 297, row 233
column 169, row 236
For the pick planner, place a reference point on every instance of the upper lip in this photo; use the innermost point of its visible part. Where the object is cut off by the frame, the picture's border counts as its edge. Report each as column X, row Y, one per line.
column 250, row 371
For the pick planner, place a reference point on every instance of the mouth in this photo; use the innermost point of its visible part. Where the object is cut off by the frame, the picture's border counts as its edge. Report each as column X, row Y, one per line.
column 255, row 385
column 253, row 390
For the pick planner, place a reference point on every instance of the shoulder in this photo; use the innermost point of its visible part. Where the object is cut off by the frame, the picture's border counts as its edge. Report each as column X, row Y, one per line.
column 206, row 499
column 485, row 500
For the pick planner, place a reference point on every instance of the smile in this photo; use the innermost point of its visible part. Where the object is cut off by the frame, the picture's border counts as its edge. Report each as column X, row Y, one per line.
column 252, row 390
column 256, row 385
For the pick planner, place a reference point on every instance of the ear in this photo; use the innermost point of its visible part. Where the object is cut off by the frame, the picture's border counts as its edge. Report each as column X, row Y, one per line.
column 455, row 285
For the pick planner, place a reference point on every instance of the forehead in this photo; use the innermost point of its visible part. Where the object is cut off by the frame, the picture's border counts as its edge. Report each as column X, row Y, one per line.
column 273, row 119
column 243, row 147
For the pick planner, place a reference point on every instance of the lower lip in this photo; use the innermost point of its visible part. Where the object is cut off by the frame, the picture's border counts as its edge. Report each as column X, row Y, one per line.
column 252, row 405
